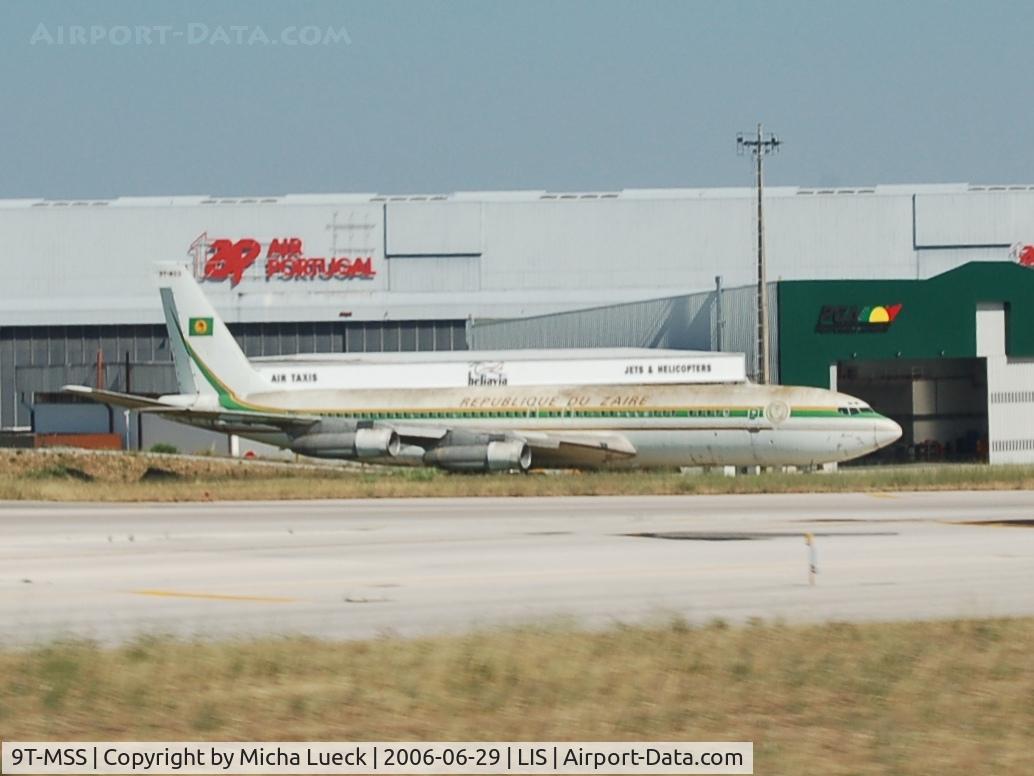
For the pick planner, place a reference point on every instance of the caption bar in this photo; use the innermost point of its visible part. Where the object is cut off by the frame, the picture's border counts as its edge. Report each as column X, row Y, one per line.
column 391, row 757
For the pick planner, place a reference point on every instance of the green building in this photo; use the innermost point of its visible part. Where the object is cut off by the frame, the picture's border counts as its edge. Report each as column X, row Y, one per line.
column 951, row 358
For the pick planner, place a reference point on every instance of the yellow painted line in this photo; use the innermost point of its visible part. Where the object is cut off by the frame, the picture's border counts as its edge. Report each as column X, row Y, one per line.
column 883, row 495
column 214, row 596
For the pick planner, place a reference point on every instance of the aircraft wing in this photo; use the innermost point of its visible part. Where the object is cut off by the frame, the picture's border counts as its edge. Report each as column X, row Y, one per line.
column 550, row 449
column 229, row 421
column 558, row 450
column 125, row 400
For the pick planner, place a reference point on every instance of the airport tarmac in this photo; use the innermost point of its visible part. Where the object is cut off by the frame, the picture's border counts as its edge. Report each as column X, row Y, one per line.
column 355, row 569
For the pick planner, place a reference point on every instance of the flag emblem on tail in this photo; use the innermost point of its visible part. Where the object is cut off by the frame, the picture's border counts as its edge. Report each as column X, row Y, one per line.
column 200, row 327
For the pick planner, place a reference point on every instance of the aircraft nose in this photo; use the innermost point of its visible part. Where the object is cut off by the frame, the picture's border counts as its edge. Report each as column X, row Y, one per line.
column 887, row 432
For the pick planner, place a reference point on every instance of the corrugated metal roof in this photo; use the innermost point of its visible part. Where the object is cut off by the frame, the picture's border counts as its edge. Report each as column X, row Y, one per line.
column 531, row 195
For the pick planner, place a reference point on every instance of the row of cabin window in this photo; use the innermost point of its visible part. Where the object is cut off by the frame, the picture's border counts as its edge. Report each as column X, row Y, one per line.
column 540, row 413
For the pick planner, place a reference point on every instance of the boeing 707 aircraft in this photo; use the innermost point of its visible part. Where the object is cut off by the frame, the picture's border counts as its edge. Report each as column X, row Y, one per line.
column 489, row 425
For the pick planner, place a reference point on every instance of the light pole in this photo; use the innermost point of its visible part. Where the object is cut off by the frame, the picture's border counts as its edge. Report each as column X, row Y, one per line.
column 760, row 146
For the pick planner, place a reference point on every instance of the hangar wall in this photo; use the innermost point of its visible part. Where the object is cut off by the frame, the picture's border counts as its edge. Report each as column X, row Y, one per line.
column 481, row 254
column 308, row 273
column 724, row 320
column 1010, row 380
column 38, row 360
column 1011, row 410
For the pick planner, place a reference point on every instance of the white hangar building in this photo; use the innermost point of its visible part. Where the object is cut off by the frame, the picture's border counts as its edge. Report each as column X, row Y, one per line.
column 373, row 273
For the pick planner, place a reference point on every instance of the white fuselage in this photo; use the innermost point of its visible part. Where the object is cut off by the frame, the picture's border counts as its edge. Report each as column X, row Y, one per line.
column 738, row 424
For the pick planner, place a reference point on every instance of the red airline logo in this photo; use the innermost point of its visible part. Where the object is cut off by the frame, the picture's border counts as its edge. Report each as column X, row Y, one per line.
column 222, row 259
column 1024, row 254
column 230, row 259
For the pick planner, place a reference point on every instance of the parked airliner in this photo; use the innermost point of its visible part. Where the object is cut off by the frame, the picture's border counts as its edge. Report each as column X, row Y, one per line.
column 491, row 425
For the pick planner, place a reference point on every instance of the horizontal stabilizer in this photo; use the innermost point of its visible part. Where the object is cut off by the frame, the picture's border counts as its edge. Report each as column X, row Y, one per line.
column 126, row 400
column 229, row 421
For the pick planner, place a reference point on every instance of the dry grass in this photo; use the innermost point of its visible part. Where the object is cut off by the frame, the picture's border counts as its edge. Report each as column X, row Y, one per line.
column 77, row 476
column 84, row 465
column 911, row 698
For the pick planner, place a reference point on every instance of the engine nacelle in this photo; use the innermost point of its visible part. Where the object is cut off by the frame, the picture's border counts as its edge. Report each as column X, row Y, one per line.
column 360, row 443
column 375, row 442
column 490, row 457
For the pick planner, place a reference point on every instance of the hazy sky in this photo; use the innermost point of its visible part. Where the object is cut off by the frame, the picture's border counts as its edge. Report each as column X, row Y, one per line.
column 442, row 96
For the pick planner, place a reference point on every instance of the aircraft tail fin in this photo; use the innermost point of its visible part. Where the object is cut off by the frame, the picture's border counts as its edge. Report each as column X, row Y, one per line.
column 208, row 358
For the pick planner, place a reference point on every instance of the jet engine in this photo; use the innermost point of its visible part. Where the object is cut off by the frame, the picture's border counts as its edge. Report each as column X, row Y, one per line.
column 322, row 442
column 489, row 457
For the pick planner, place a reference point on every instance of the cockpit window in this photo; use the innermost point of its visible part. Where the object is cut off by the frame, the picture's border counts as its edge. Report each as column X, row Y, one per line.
column 854, row 410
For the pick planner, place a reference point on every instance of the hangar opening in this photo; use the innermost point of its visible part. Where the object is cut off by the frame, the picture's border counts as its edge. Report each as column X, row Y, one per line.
column 940, row 404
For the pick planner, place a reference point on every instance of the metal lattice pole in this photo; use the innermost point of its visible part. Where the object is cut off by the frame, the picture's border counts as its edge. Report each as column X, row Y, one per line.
column 760, row 146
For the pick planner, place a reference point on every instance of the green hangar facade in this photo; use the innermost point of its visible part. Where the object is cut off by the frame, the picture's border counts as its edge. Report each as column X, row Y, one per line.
column 951, row 358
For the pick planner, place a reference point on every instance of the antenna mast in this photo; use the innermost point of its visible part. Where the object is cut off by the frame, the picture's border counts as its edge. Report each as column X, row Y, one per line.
column 760, row 146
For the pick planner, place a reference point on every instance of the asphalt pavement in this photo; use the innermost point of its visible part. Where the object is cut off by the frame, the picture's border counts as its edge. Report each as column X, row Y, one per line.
column 356, row 569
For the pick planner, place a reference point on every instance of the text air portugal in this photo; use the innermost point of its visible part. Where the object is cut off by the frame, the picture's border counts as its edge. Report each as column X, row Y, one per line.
column 285, row 260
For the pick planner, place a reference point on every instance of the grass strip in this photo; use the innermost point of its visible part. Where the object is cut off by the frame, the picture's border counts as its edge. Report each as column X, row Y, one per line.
column 901, row 698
